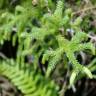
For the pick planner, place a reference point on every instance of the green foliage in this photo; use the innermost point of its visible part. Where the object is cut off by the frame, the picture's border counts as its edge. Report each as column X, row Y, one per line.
column 46, row 37
column 70, row 47
column 27, row 81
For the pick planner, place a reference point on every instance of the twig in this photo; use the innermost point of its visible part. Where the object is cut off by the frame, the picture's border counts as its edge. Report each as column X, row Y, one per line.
column 83, row 10
column 3, row 56
column 92, row 37
column 65, row 86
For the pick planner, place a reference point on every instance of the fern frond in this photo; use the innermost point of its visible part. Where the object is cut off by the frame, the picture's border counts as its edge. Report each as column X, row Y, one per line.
column 27, row 81
column 70, row 47
column 85, row 46
column 81, row 37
